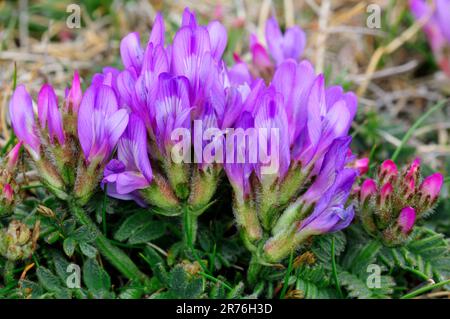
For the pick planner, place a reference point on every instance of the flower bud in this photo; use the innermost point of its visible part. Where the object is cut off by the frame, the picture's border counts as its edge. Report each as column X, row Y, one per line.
column 160, row 194
column 368, row 188
column 13, row 157
column 388, row 171
column 362, row 165
column 18, row 242
column 406, row 220
column 203, row 187
column 431, row 186
column 74, row 95
column 385, row 194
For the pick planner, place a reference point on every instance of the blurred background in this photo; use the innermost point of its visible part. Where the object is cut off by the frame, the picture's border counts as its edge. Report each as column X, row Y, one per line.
column 45, row 41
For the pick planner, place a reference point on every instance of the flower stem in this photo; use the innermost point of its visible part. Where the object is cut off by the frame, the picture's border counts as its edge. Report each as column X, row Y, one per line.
column 112, row 253
column 334, row 269
column 422, row 290
column 253, row 270
column 189, row 226
column 8, row 272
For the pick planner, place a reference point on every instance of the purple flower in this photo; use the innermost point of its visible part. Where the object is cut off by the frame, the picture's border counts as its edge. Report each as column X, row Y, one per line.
column 191, row 57
column 333, row 164
column 156, row 62
column 238, row 167
column 218, row 39
column 329, row 116
column 270, row 117
column 171, row 109
column 294, row 81
column 330, row 214
column 23, row 120
column 131, row 52
column 437, row 27
column 131, row 171
column 281, row 47
column 287, row 46
column 100, row 123
column 49, row 115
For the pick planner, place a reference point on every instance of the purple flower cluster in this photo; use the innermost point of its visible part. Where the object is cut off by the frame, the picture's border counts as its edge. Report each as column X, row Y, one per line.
column 92, row 121
column 308, row 193
column 301, row 175
column 165, row 87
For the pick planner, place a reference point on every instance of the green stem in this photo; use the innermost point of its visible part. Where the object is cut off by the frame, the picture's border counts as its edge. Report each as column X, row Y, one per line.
column 334, row 269
column 112, row 253
column 214, row 279
column 188, row 220
column 415, row 126
column 105, row 198
column 189, row 226
column 253, row 270
column 286, row 277
column 425, row 289
column 8, row 272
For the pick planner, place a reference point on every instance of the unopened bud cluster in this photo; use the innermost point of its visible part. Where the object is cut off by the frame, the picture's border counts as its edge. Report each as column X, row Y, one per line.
column 391, row 204
column 18, row 242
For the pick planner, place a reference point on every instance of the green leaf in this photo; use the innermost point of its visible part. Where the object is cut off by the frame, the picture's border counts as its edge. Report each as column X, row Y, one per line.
column 69, row 245
column 357, row 287
column 183, row 286
column 321, row 247
column 148, row 232
column 52, row 237
column 51, row 283
column 237, row 291
column 359, row 274
column 427, row 252
column 152, row 257
column 96, row 279
column 84, row 234
column 88, row 250
column 131, row 224
column 314, row 282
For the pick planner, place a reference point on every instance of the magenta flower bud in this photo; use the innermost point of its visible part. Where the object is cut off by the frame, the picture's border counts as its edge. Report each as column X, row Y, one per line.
column 260, row 56
column 431, row 186
column 413, row 169
column 368, row 188
column 406, row 219
column 49, row 115
column 408, row 187
column 388, row 171
column 362, row 165
column 23, row 120
column 385, row 193
column 74, row 95
column 13, row 157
